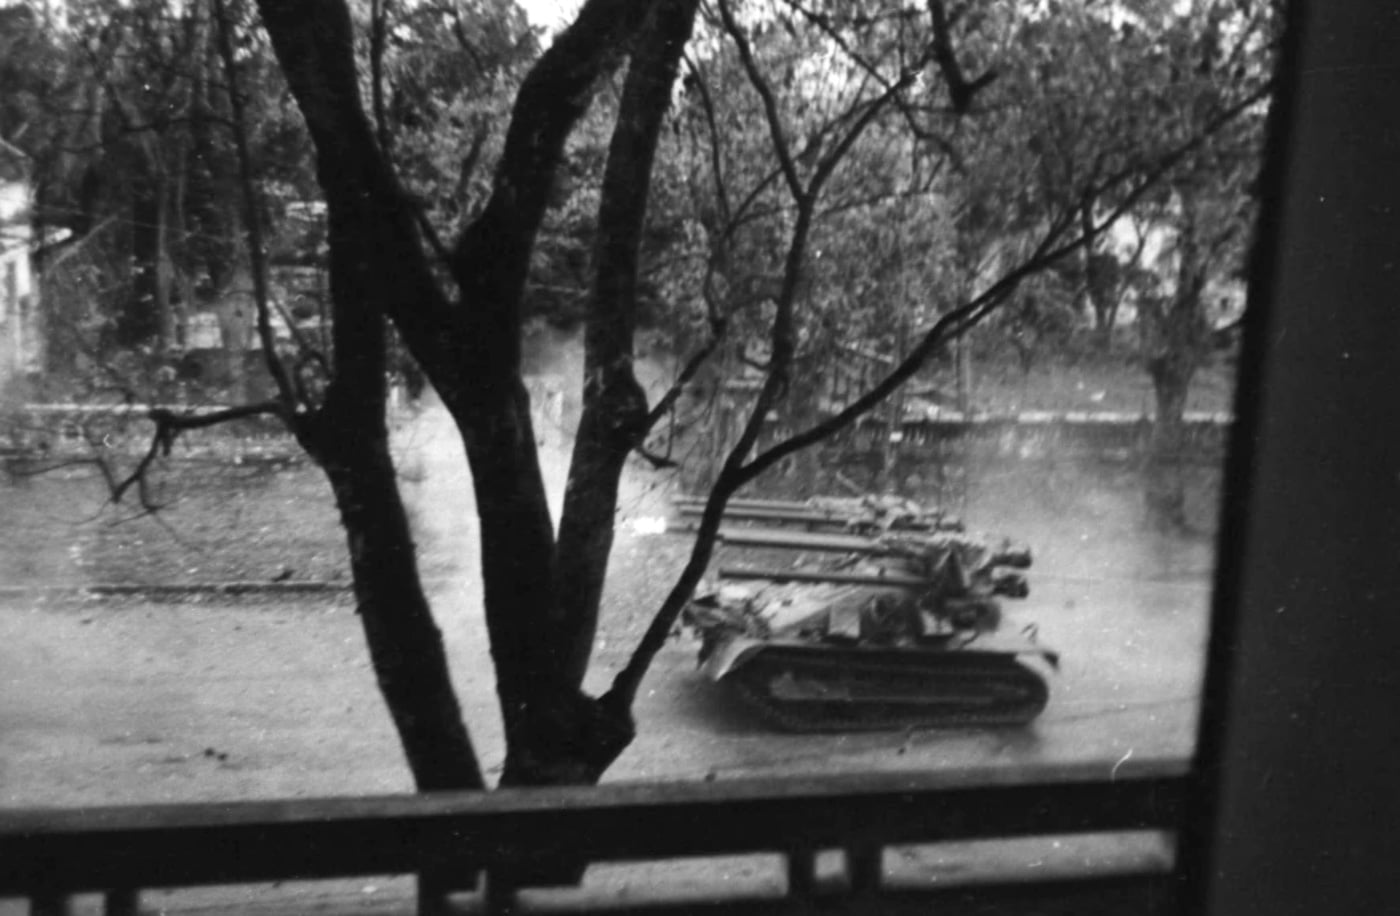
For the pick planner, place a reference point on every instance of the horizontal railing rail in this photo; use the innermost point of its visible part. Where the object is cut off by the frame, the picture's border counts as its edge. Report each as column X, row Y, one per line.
column 49, row 854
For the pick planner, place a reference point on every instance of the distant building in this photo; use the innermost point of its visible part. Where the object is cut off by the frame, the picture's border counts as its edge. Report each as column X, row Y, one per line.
column 20, row 343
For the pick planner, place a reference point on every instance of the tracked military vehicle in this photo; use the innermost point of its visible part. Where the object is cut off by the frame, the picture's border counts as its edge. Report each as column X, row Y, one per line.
column 888, row 618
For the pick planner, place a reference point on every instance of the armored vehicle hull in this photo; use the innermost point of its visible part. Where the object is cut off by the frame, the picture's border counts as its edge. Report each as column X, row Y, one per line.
column 808, row 687
column 892, row 631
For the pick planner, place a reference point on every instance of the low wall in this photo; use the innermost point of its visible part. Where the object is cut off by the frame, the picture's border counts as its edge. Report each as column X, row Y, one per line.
column 39, row 431
column 1040, row 434
column 1025, row 435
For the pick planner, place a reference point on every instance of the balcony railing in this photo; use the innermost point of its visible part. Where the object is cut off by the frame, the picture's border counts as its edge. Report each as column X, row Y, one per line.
column 49, row 855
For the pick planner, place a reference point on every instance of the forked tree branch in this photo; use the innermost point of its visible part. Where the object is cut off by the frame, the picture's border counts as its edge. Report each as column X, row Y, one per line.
column 378, row 37
column 614, row 418
column 960, row 90
column 1049, row 251
column 732, row 474
column 736, row 472
column 169, row 425
column 688, row 372
column 707, row 103
column 781, row 148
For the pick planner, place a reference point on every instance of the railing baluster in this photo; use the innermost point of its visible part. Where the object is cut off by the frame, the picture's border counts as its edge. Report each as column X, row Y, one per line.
column 499, row 895
column 122, row 901
column 432, row 896
column 801, row 874
column 46, row 856
column 48, row 904
column 866, row 868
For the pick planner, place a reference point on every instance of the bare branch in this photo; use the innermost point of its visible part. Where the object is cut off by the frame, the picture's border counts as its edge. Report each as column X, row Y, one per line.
column 251, row 225
column 960, row 90
column 440, row 249
column 169, row 425
column 613, row 422
column 554, row 94
column 472, row 158
column 744, row 213
column 770, row 104
column 658, row 462
column 687, row 373
column 707, row 103
column 165, row 418
column 378, row 33
column 959, row 320
column 827, row 28
column 459, row 31
column 834, row 156
column 736, row 473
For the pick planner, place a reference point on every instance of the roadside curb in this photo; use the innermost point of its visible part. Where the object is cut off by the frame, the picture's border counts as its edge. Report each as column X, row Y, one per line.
column 114, row 590
column 232, row 589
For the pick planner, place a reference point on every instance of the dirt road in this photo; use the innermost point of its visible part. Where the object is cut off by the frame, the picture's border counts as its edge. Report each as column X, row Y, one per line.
column 124, row 701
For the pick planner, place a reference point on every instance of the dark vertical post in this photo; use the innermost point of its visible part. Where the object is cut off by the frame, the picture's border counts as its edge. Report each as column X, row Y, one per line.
column 499, row 896
column 866, row 868
column 49, row 904
column 1296, row 806
column 122, row 902
column 801, row 874
column 432, row 895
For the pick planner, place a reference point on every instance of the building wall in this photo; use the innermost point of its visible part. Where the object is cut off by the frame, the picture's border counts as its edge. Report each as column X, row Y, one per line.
column 19, row 294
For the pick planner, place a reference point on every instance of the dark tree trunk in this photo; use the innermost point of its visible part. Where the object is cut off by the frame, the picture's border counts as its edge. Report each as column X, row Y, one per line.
column 348, row 436
column 374, row 258
column 1165, row 481
column 1175, row 336
column 1093, row 275
column 163, row 273
column 404, row 642
column 1102, row 288
column 139, row 321
column 470, row 351
column 517, row 560
column 614, row 416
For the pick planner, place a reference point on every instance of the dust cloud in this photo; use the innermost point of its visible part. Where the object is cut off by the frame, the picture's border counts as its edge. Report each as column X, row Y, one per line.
column 436, row 480
column 1085, row 519
column 437, row 489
